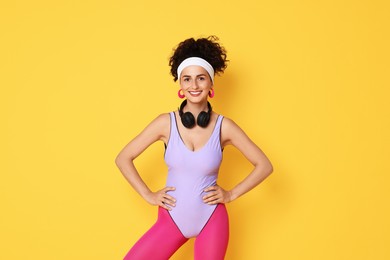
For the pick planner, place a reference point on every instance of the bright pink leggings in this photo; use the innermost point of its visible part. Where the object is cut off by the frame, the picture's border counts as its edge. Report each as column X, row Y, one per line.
column 164, row 238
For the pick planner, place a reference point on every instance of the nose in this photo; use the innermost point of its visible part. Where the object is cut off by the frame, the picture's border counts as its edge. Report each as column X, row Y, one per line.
column 195, row 84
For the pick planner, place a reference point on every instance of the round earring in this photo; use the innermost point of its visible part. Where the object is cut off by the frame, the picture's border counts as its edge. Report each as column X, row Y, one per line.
column 180, row 94
column 211, row 94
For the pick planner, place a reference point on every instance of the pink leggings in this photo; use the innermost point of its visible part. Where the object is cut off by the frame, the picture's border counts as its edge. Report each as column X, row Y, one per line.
column 164, row 238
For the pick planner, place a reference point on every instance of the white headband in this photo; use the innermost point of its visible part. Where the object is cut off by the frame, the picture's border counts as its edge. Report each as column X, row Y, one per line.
column 196, row 61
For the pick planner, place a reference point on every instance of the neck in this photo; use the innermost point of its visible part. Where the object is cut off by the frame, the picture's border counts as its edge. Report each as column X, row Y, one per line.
column 196, row 108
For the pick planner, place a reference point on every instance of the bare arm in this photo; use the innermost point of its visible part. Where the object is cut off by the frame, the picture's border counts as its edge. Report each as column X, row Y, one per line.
column 234, row 135
column 158, row 129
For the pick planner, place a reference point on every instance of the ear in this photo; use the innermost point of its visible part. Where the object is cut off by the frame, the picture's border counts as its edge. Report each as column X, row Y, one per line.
column 211, row 93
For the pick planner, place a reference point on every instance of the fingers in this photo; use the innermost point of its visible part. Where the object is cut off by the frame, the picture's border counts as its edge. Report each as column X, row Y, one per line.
column 211, row 188
column 214, row 195
column 166, row 189
column 212, row 198
column 167, row 196
column 165, row 200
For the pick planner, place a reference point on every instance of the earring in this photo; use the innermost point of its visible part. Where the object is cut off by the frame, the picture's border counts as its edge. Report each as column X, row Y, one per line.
column 211, row 94
column 180, row 94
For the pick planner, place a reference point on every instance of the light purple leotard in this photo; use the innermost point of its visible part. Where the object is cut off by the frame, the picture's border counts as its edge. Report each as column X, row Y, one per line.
column 191, row 172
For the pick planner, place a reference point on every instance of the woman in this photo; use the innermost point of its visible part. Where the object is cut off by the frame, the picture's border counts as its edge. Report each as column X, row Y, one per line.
column 192, row 204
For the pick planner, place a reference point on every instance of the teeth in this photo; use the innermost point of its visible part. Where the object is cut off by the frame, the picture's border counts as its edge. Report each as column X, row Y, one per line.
column 195, row 92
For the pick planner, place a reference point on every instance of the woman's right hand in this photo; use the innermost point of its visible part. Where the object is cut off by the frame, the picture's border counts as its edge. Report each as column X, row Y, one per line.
column 161, row 198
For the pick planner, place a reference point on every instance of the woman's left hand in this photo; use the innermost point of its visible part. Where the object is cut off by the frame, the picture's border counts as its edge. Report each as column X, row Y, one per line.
column 215, row 195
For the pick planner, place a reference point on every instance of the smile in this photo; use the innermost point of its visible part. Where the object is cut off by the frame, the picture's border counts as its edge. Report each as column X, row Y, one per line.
column 195, row 93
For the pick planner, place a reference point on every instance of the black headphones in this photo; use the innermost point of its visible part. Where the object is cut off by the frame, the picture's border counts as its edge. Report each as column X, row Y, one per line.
column 188, row 119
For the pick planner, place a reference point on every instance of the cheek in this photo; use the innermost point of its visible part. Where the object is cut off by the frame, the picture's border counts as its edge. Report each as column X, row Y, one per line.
column 206, row 85
column 184, row 85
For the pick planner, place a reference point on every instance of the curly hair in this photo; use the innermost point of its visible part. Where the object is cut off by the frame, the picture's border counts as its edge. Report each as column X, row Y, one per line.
column 205, row 48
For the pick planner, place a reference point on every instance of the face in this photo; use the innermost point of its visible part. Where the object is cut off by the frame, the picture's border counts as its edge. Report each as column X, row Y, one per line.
column 195, row 83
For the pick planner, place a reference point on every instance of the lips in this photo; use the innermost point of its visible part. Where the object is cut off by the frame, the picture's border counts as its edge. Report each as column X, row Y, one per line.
column 195, row 93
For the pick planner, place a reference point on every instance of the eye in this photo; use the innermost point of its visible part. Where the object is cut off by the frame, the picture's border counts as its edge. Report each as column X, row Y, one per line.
column 201, row 78
column 186, row 79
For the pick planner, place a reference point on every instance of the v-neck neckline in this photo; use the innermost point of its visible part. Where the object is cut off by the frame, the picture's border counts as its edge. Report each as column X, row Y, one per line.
column 182, row 140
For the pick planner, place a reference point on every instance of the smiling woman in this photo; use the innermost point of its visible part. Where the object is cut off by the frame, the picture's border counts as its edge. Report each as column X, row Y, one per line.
column 194, row 81
column 192, row 205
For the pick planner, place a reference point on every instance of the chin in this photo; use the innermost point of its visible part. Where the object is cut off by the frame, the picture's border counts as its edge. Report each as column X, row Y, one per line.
column 196, row 99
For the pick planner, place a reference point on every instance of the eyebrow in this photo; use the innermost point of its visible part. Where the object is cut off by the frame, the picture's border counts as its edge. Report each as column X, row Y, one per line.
column 199, row 75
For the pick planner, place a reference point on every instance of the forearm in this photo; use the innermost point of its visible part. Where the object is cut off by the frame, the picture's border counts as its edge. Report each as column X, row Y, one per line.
column 258, row 175
column 128, row 170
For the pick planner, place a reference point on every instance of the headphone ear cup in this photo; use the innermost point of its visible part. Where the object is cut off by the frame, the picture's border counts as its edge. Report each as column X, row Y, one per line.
column 203, row 119
column 188, row 119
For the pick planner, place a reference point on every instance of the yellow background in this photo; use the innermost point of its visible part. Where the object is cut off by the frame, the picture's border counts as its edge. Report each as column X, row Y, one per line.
column 308, row 81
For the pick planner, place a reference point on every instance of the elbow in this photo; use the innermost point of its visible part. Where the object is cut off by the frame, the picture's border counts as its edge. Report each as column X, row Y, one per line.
column 270, row 169
column 266, row 168
column 122, row 159
column 119, row 160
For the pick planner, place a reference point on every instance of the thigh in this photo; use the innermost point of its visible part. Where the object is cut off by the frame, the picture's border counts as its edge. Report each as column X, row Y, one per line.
column 160, row 242
column 212, row 242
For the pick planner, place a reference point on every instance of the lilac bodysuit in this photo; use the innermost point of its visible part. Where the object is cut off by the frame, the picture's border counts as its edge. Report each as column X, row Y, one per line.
column 191, row 172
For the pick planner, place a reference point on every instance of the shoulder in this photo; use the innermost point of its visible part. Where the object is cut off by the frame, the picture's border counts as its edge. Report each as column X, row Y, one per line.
column 159, row 127
column 228, row 128
column 161, row 122
column 162, row 119
column 230, row 131
column 228, row 124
